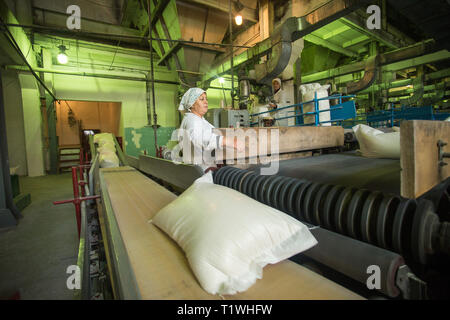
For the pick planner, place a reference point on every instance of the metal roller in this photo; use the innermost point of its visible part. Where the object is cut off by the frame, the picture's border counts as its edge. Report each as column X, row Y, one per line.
column 405, row 226
column 333, row 251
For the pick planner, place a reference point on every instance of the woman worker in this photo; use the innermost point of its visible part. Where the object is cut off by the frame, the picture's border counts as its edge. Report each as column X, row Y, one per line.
column 198, row 129
column 279, row 100
column 278, row 94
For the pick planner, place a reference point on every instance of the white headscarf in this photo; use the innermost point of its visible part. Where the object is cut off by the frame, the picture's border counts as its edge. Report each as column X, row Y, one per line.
column 276, row 80
column 189, row 98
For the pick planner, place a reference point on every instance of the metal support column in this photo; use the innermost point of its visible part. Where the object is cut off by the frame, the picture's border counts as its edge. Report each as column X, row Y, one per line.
column 9, row 214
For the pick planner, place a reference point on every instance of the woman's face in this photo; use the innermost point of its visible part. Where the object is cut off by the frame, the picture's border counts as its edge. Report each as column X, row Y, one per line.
column 276, row 85
column 200, row 107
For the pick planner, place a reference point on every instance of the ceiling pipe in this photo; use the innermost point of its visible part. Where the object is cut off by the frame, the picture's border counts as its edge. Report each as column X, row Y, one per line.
column 87, row 74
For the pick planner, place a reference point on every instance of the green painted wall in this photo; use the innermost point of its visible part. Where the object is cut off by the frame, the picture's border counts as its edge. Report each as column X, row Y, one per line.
column 15, row 131
column 132, row 96
column 33, row 125
column 138, row 140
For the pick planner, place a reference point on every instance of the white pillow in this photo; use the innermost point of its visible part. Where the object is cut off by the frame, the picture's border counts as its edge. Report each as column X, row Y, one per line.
column 228, row 237
column 375, row 143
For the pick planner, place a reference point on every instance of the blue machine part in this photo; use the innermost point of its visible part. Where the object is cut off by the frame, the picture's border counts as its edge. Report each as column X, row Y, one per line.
column 343, row 111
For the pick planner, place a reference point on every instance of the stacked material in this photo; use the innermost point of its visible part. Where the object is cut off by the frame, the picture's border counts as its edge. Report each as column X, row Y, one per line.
column 107, row 150
column 309, row 92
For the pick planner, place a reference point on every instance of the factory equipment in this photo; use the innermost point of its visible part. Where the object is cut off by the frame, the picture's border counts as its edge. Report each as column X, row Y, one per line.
column 213, row 116
column 353, row 206
column 244, row 93
column 234, row 118
column 224, row 118
column 377, row 227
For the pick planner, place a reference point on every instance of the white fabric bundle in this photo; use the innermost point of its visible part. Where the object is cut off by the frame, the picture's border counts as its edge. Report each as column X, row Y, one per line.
column 107, row 150
column 108, row 159
column 101, row 138
column 107, row 147
column 308, row 91
column 374, row 143
column 228, row 237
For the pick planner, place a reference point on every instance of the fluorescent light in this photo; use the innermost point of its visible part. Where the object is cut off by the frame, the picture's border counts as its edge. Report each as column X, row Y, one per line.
column 238, row 19
column 221, row 80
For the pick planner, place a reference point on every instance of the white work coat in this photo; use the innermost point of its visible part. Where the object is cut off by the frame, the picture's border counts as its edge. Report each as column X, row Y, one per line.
column 280, row 100
column 200, row 133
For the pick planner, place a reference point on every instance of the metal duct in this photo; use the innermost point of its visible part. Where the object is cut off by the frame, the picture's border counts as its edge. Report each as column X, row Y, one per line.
column 281, row 51
column 370, row 74
column 279, row 45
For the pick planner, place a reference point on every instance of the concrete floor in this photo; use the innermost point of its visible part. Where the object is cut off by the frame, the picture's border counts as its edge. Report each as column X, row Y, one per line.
column 35, row 255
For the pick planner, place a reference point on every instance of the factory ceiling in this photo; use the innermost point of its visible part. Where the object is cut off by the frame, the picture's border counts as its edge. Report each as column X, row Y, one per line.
column 114, row 33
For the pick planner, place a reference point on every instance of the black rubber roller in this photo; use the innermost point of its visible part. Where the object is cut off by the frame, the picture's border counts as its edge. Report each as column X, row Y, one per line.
column 353, row 258
column 384, row 220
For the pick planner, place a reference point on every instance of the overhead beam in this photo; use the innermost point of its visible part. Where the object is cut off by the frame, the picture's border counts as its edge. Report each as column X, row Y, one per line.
column 355, row 21
column 428, row 58
column 156, row 13
column 321, row 42
column 168, row 54
column 336, row 32
column 247, row 13
column 355, row 41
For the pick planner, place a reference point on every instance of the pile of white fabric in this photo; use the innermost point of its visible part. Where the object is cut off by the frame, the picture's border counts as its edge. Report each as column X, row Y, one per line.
column 107, row 150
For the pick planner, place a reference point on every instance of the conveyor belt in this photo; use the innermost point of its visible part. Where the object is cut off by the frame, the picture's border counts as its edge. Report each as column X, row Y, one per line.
column 347, row 169
column 159, row 269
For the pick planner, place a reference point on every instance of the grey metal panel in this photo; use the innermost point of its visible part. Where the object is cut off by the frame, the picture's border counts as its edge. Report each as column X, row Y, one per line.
column 213, row 116
column 231, row 117
column 9, row 214
column 133, row 161
column 83, row 259
column 120, row 264
column 179, row 175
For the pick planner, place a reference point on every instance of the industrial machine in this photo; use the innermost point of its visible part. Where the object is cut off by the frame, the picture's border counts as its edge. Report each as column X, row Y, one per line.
column 355, row 207
column 224, row 118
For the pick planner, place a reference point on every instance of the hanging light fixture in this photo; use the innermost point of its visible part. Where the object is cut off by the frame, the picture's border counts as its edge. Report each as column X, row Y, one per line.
column 62, row 57
column 238, row 17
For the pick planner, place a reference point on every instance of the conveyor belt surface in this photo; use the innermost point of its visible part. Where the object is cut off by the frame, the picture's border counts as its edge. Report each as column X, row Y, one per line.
column 347, row 169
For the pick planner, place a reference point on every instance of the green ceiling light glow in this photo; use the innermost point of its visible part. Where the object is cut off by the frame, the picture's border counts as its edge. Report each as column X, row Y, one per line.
column 62, row 57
